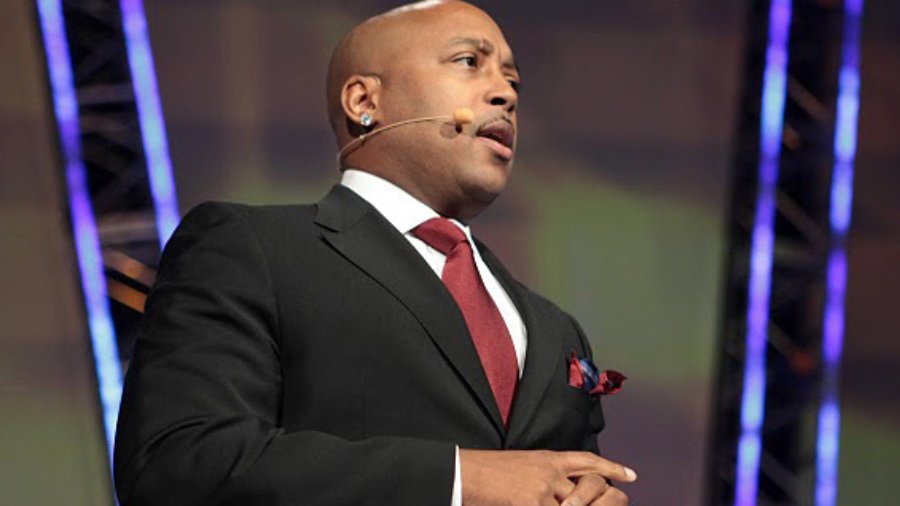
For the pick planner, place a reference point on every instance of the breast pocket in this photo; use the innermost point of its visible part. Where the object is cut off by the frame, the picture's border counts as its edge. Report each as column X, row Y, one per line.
column 578, row 400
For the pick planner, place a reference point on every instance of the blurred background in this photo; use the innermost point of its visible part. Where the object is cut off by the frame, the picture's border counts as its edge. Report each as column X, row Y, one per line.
column 631, row 206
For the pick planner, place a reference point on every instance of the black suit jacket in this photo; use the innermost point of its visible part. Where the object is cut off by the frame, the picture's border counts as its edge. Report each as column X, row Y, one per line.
column 309, row 355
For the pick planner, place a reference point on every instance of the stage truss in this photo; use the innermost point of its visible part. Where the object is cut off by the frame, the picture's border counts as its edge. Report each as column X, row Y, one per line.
column 118, row 175
column 771, row 444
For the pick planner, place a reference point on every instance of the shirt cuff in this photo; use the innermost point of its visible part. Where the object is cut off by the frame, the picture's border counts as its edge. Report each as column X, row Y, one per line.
column 456, row 498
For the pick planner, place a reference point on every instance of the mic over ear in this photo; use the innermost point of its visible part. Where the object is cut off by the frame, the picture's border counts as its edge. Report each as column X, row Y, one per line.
column 460, row 117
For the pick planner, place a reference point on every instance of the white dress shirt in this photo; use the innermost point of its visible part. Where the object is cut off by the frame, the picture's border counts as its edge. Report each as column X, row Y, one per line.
column 405, row 213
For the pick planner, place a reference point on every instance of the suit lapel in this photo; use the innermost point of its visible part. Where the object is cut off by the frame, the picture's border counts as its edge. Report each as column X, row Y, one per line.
column 542, row 356
column 359, row 233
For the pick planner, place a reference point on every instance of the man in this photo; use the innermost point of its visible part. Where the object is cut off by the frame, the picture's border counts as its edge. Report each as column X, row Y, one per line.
column 366, row 350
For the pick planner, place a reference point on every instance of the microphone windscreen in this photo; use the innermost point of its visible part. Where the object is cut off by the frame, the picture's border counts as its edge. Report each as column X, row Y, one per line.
column 463, row 116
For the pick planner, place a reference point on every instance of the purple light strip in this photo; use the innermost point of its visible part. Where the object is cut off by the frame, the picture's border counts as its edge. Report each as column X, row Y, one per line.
column 845, row 136
column 761, row 256
column 87, row 243
column 153, row 128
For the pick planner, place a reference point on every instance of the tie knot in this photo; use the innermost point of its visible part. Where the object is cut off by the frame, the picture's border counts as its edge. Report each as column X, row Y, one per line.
column 440, row 233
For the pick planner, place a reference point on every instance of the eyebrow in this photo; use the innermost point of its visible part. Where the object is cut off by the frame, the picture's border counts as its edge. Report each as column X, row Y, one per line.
column 486, row 47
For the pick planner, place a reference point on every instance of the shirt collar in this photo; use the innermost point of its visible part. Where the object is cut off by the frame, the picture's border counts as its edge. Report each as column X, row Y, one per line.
column 401, row 209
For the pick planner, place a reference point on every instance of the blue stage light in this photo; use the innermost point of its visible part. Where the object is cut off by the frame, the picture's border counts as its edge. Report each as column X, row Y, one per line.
column 829, row 418
column 761, row 256
column 153, row 127
column 87, row 243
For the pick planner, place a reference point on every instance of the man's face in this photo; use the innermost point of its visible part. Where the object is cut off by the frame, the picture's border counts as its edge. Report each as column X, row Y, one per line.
column 455, row 57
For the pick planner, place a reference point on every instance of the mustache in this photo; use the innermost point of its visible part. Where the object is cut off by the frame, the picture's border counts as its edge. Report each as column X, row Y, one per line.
column 494, row 118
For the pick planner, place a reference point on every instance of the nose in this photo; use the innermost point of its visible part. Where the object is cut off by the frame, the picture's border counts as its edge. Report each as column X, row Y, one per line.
column 502, row 94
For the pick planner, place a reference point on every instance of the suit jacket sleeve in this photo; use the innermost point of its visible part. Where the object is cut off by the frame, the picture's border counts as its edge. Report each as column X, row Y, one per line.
column 199, row 422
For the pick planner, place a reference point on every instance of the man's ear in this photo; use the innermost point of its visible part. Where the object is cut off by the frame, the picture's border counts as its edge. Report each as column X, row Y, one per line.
column 360, row 95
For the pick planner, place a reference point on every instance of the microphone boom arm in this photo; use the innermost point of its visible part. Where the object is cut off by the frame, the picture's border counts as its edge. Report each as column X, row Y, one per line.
column 459, row 117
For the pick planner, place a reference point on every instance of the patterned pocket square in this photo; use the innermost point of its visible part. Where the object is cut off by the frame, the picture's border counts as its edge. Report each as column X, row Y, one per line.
column 584, row 374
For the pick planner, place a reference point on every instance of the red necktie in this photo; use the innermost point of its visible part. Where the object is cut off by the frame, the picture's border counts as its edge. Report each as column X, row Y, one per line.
column 487, row 328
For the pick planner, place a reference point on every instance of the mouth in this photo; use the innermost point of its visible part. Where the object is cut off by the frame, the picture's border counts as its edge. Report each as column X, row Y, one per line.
column 499, row 135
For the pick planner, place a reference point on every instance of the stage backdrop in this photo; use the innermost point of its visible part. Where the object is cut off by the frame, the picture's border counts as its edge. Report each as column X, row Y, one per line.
column 615, row 210
column 51, row 443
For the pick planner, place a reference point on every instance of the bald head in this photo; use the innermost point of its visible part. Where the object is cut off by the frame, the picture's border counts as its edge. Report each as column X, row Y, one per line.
column 371, row 47
column 425, row 60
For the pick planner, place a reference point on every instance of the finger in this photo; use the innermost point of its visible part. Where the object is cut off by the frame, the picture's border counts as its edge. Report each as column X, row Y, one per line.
column 582, row 463
column 612, row 497
column 562, row 488
column 589, row 488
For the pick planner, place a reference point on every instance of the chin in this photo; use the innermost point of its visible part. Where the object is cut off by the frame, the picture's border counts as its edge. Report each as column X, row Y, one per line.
column 487, row 187
column 480, row 183
column 496, row 174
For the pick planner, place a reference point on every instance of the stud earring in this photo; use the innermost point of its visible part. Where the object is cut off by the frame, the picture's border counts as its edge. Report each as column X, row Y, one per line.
column 365, row 119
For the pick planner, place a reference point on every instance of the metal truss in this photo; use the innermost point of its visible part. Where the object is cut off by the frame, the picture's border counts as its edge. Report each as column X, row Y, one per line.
column 786, row 464
column 114, row 158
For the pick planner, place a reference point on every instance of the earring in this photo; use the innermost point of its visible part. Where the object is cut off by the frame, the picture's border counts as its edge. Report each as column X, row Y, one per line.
column 365, row 119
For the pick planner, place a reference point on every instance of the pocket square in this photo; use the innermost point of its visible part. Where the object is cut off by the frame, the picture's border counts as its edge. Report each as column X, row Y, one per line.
column 585, row 375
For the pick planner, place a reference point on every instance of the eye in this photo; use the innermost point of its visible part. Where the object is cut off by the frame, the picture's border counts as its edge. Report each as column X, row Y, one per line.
column 515, row 85
column 468, row 61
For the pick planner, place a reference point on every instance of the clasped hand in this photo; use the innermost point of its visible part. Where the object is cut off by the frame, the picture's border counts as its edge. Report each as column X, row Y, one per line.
column 540, row 477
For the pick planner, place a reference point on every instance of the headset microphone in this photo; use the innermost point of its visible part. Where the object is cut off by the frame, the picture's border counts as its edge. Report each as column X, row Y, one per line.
column 461, row 116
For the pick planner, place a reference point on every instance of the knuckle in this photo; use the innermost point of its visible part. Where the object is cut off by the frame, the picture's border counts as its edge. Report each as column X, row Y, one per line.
column 621, row 497
column 556, row 461
column 544, row 489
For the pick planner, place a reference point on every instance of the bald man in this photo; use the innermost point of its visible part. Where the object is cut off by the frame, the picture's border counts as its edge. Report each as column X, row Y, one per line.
column 366, row 349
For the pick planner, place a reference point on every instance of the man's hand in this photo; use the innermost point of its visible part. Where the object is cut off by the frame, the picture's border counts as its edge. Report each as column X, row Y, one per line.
column 524, row 478
column 594, row 490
